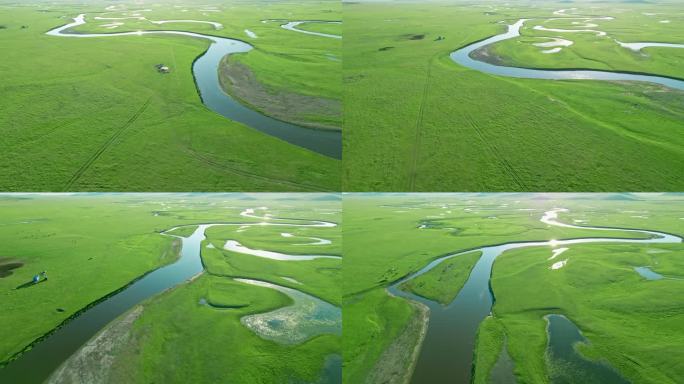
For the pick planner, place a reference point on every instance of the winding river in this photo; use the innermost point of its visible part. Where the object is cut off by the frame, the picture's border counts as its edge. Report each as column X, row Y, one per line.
column 38, row 363
column 463, row 57
column 447, row 350
column 205, row 71
column 292, row 26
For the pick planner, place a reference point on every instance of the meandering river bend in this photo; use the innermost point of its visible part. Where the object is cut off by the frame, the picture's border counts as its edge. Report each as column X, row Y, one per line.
column 447, row 351
column 463, row 57
column 205, row 71
column 38, row 363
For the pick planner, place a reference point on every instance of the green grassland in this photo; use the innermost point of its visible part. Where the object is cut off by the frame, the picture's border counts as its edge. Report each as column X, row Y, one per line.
column 89, row 247
column 94, row 114
column 94, row 244
column 175, row 327
column 383, row 242
column 625, row 317
column 270, row 238
column 388, row 225
column 320, row 277
column 331, row 29
column 283, row 61
column 417, row 121
column 443, row 283
column 603, row 53
column 490, row 341
column 178, row 340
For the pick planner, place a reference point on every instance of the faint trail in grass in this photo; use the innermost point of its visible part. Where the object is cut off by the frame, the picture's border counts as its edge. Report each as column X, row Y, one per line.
column 236, row 171
column 107, row 144
column 415, row 153
column 494, row 151
column 619, row 130
column 33, row 139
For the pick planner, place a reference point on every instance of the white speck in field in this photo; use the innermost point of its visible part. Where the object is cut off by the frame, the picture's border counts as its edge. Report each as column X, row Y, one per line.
column 559, row 264
column 250, row 34
column 557, row 252
column 664, row 21
column 542, row 28
column 291, row 280
column 555, row 42
column 552, row 50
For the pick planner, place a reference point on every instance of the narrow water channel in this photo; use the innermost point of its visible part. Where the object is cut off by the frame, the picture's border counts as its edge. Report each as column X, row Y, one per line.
column 38, row 363
column 447, row 351
column 463, row 57
column 205, row 71
column 292, row 26
column 567, row 366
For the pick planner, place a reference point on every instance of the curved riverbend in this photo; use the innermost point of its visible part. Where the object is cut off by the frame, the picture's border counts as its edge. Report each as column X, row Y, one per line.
column 562, row 335
column 292, row 26
column 307, row 317
column 205, row 72
column 462, row 57
column 235, row 246
column 639, row 46
column 447, row 350
column 36, row 364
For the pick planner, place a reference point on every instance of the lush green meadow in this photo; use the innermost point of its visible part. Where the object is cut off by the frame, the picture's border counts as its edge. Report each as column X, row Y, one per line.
column 179, row 339
column 443, row 283
column 590, row 51
column 632, row 324
column 417, row 121
column 384, row 241
column 93, row 244
column 94, row 114
column 331, row 29
column 75, row 240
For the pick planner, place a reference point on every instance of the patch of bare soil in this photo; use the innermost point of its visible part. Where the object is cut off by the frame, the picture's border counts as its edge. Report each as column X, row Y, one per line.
column 485, row 54
column 92, row 363
column 7, row 265
column 239, row 81
column 396, row 364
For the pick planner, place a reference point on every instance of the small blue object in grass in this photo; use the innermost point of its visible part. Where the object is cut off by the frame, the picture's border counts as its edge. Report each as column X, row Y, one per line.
column 36, row 278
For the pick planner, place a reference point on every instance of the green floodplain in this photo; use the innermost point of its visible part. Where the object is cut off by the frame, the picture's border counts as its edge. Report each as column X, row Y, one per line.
column 91, row 245
column 95, row 114
column 417, row 121
column 631, row 324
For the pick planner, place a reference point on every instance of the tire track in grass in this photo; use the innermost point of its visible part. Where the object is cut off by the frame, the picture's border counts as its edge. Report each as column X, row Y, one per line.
column 622, row 131
column 415, row 153
column 236, row 171
column 107, row 144
column 496, row 153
